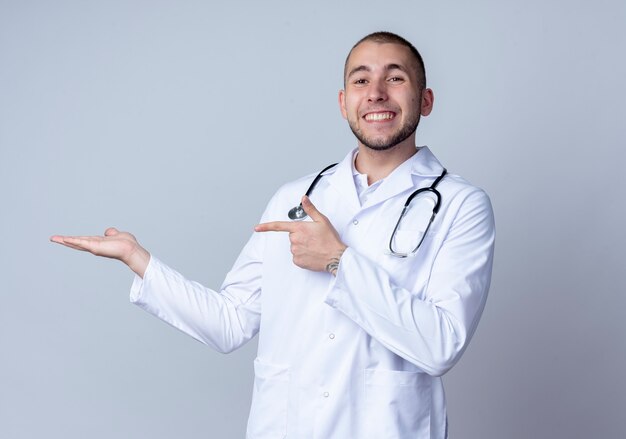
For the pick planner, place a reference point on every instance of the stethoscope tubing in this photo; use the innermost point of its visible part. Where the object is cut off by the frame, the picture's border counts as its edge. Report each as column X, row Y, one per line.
column 297, row 213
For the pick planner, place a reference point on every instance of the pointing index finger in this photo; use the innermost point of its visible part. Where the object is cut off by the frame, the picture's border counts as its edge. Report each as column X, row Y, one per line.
column 311, row 210
column 276, row 226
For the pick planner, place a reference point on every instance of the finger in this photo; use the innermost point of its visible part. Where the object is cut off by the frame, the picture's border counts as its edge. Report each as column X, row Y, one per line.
column 276, row 226
column 68, row 241
column 86, row 243
column 311, row 210
column 75, row 247
column 59, row 239
column 111, row 231
column 56, row 238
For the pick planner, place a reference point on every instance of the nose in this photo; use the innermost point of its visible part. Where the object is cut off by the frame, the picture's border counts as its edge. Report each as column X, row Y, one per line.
column 377, row 91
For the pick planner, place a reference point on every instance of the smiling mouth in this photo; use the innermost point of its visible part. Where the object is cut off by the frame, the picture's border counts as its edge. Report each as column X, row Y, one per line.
column 383, row 115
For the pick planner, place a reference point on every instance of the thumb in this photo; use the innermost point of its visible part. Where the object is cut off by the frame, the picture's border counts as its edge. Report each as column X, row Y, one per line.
column 111, row 231
column 311, row 210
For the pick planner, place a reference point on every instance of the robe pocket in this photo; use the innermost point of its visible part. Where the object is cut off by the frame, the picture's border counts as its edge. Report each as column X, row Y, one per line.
column 397, row 404
column 268, row 413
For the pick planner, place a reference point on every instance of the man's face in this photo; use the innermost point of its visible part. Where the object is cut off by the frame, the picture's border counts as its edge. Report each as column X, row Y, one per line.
column 382, row 100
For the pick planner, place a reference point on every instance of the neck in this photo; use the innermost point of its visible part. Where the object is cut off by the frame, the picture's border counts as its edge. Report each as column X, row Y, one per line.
column 379, row 164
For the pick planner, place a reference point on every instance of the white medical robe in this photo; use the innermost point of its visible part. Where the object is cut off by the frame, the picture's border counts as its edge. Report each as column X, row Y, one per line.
column 359, row 355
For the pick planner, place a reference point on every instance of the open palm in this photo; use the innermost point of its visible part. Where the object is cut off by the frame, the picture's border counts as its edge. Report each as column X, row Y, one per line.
column 113, row 244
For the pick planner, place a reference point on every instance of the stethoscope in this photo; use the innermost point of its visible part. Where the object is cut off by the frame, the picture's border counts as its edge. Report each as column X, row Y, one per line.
column 297, row 213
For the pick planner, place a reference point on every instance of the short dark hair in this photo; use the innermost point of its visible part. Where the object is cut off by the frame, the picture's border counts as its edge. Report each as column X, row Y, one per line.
column 383, row 37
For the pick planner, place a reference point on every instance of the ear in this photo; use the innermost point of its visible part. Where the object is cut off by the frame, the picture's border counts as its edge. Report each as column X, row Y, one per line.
column 342, row 103
column 428, row 100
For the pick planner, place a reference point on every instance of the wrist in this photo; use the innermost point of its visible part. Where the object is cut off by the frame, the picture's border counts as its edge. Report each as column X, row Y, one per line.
column 333, row 264
column 138, row 261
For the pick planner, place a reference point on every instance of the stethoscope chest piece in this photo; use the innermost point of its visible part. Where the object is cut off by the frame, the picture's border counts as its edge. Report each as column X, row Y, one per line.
column 297, row 213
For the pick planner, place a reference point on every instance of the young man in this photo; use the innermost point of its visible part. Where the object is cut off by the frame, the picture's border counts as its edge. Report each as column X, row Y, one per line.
column 363, row 306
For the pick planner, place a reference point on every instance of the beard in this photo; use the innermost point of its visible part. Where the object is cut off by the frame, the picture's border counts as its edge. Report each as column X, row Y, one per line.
column 383, row 144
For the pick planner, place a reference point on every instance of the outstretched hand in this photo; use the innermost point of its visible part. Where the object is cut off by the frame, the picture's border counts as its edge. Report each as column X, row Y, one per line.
column 114, row 244
column 315, row 245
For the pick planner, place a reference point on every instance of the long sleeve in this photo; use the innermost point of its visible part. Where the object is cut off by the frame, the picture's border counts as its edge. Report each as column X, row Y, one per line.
column 431, row 323
column 224, row 320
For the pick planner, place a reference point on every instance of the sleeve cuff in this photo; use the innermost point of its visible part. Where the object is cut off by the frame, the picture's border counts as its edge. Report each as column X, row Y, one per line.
column 335, row 287
column 136, row 288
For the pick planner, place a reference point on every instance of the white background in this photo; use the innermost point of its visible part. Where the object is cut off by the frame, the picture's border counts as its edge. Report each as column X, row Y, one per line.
column 178, row 120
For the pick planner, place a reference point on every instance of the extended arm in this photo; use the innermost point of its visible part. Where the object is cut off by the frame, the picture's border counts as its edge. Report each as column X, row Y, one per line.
column 223, row 320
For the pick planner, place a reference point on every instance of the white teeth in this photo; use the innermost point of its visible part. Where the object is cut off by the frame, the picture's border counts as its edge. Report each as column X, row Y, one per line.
column 379, row 116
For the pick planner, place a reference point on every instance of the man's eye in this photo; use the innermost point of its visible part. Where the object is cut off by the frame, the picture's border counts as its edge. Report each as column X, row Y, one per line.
column 360, row 81
column 396, row 79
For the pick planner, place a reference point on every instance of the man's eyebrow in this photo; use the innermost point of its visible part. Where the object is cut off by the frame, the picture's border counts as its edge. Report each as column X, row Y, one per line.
column 361, row 68
column 388, row 67
column 396, row 67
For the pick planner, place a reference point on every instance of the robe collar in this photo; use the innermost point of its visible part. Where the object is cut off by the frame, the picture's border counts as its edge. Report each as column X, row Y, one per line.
column 421, row 165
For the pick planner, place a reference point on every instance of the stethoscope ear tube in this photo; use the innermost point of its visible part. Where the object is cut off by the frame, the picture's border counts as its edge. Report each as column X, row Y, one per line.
column 316, row 179
column 431, row 188
column 297, row 213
